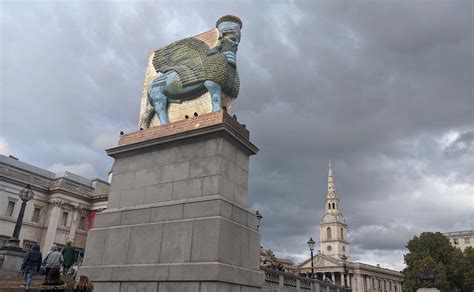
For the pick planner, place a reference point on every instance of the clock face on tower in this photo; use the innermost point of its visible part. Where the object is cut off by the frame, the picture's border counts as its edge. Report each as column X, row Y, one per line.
column 329, row 248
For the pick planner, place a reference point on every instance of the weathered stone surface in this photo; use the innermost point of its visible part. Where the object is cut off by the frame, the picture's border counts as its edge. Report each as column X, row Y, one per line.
column 191, row 151
column 139, row 287
column 144, row 244
column 241, row 196
column 230, row 239
column 116, row 245
column 186, row 189
column 95, row 246
column 132, row 197
column 147, row 177
column 166, row 213
column 178, row 287
column 239, row 215
column 210, row 185
column 107, row 287
column 161, row 157
column 228, row 151
column 107, row 219
column 213, row 147
column 158, row 193
column 175, row 172
column 135, row 216
column 123, row 181
column 205, row 243
column 176, row 242
column 201, row 209
column 205, row 167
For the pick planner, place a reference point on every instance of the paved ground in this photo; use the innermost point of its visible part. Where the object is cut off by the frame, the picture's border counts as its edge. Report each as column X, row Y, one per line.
column 13, row 284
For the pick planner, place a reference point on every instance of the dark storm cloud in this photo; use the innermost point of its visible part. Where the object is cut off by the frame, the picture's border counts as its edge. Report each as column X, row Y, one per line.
column 383, row 89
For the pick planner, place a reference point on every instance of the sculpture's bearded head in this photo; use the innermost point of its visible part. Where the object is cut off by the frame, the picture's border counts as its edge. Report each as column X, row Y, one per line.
column 229, row 27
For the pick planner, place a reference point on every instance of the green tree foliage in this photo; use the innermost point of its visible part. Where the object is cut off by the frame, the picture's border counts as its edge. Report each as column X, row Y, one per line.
column 454, row 269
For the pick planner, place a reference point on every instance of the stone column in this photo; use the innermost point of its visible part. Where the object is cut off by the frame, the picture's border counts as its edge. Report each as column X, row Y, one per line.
column 177, row 217
column 333, row 278
column 72, row 231
column 53, row 219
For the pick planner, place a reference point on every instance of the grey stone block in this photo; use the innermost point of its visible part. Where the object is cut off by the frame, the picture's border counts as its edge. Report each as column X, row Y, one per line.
column 252, row 221
column 245, row 180
column 129, row 163
column 158, row 193
column 95, row 247
column 193, row 272
column 205, row 243
column 186, row 189
column 139, row 287
column 122, row 181
column 228, row 151
column 226, row 188
column 149, row 272
column 239, row 215
column 107, row 286
column 114, row 199
column 147, row 177
column 234, row 173
column 116, row 245
column 135, row 216
column 144, row 244
column 213, row 147
column 254, row 250
column 119, row 273
column 201, row 209
column 161, row 157
column 210, row 185
column 225, row 210
column 204, row 167
column 107, row 219
column 133, row 197
column 215, row 287
column 178, row 287
column 97, row 273
column 191, row 151
column 235, row 288
column 242, row 160
column 241, row 196
column 245, row 248
column 230, row 239
column 166, row 213
column 176, row 242
column 174, row 172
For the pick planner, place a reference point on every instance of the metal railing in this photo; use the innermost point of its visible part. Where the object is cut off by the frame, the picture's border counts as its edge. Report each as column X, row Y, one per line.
column 281, row 281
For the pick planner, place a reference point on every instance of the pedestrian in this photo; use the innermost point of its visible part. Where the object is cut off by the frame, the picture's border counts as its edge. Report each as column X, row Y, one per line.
column 52, row 263
column 31, row 265
column 83, row 284
column 79, row 264
column 68, row 253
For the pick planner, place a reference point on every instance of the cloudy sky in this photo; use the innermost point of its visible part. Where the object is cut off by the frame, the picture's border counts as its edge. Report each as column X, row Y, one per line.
column 383, row 89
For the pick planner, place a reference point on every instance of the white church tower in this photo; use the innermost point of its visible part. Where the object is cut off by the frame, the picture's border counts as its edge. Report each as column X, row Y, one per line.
column 333, row 227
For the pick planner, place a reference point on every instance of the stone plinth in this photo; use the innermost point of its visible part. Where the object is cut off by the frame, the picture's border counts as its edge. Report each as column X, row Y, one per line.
column 10, row 262
column 177, row 217
column 427, row 290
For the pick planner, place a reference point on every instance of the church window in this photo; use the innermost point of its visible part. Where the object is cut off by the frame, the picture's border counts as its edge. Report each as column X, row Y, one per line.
column 333, row 205
column 329, row 248
column 328, row 231
column 329, row 205
column 342, row 233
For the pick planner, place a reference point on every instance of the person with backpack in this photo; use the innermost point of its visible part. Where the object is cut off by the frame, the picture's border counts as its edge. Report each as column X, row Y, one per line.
column 52, row 263
column 31, row 265
column 69, row 254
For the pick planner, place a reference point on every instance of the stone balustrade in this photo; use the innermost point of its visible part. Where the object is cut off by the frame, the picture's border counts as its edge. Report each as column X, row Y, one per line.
column 276, row 281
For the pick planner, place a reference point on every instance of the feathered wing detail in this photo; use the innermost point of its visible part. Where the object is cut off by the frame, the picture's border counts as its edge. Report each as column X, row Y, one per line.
column 186, row 57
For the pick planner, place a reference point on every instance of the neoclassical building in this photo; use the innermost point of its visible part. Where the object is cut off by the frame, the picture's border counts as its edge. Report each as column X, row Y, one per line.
column 63, row 207
column 461, row 239
column 333, row 258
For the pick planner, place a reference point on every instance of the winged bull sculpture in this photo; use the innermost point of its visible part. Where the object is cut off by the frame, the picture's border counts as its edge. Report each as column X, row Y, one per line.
column 188, row 68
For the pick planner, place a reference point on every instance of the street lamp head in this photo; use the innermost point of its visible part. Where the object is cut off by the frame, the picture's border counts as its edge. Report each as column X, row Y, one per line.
column 26, row 194
column 344, row 258
column 311, row 244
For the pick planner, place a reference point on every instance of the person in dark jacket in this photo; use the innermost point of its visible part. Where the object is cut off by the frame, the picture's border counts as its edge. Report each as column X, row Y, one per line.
column 31, row 265
column 68, row 253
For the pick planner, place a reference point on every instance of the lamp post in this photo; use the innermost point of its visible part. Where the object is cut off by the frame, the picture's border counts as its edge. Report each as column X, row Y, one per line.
column 344, row 264
column 14, row 242
column 311, row 244
column 259, row 219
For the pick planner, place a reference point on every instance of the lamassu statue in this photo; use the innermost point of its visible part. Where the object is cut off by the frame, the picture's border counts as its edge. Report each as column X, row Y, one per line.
column 190, row 67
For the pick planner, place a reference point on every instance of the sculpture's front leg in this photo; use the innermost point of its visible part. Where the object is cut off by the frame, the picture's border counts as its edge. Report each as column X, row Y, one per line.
column 215, row 92
column 160, row 103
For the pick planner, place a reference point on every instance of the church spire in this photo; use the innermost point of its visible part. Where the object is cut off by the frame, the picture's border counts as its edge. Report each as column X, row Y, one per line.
column 331, row 185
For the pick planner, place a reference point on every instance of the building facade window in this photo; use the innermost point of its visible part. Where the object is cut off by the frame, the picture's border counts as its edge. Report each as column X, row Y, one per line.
column 82, row 223
column 28, row 244
column 333, row 206
column 329, row 205
column 328, row 232
column 36, row 215
column 342, row 233
column 10, row 208
column 3, row 240
column 64, row 219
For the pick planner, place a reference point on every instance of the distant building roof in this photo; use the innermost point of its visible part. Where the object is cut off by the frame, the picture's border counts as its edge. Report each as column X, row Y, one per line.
column 43, row 172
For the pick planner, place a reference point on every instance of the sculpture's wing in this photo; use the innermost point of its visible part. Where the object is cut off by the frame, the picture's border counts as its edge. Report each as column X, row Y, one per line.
column 188, row 52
